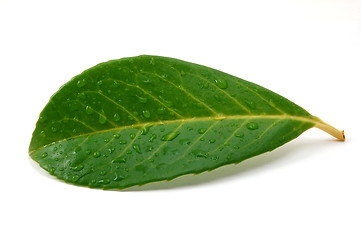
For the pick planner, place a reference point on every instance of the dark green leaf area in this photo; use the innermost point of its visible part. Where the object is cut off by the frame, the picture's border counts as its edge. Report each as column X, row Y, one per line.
column 129, row 156
column 147, row 89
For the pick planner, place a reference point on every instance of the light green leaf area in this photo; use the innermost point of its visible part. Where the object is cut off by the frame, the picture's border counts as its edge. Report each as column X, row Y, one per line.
column 137, row 120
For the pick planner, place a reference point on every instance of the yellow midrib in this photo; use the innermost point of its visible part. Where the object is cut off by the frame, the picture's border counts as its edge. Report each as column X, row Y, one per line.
column 311, row 119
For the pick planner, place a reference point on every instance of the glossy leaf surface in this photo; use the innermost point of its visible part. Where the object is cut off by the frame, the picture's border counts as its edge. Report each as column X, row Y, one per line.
column 136, row 120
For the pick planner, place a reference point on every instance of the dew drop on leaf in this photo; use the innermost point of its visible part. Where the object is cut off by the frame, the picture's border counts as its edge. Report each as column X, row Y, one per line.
column 111, row 149
column 146, row 113
column 44, row 155
column 116, row 117
column 152, row 137
column 145, row 130
column 252, row 126
column 221, row 83
column 89, row 110
column 200, row 153
column 116, row 135
column 75, row 178
column 136, row 147
column 102, row 119
column 149, row 148
column 152, row 62
column 202, row 130
column 123, row 142
column 170, row 136
column 240, row 135
column 104, row 181
column 103, row 173
column 142, row 99
column 96, row 154
column 81, row 83
column 185, row 141
column 212, row 140
column 161, row 110
column 77, row 168
column 42, row 134
column 119, row 160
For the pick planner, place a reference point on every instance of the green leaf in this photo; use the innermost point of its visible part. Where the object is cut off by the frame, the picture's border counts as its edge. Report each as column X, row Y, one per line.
column 137, row 120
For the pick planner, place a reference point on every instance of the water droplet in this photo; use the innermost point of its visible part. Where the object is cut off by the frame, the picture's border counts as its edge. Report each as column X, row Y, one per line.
column 81, row 83
column 136, row 147
column 55, row 148
column 142, row 99
column 212, row 140
column 166, row 102
column 132, row 135
column 42, row 133
column 205, row 85
column 75, row 178
column 81, row 96
column 119, row 160
column 118, row 177
column 44, row 155
column 116, row 117
column 102, row 119
column 149, row 148
column 161, row 110
column 100, row 82
column 54, row 129
column 145, row 129
column 77, row 168
column 185, row 141
column 96, row 154
column 202, row 130
column 123, row 142
column 182, row 73
column 42, row 119
column 103, row 173
column 104, row 181
column 106, row 140
column 200, row 153
column 151, row 61
column 52, row 170
column 170, row 136
column 111, row 149
column 221, row 83
column 146, row 113
column 240, row 135
column 116, row 135
column 89, row 110
column 152, row 137
column 236, row 147
column 252, row 126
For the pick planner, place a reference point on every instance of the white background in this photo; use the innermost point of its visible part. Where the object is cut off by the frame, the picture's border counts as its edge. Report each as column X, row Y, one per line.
column 306, row 50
